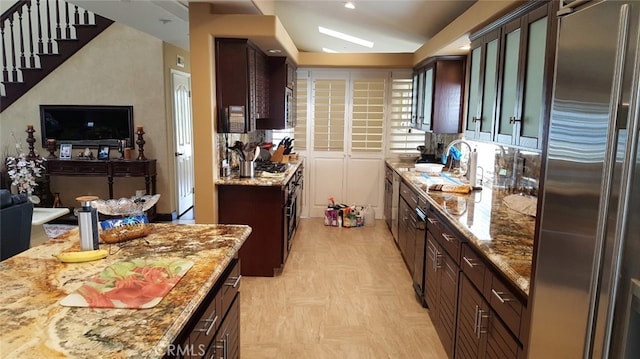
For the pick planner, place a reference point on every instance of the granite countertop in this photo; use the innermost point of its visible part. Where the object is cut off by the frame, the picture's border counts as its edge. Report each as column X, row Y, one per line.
column 35, row 325
column 261, row 179
column 503, row 235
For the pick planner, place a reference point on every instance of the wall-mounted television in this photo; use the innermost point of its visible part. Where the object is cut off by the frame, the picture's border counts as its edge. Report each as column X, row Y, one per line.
column 86, row 126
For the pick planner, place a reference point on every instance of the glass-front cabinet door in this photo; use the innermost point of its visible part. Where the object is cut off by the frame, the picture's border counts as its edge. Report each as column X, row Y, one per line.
column 510, row 89
column 427, row 102
column 483, row 85
column 533, row 104
column 522, row 92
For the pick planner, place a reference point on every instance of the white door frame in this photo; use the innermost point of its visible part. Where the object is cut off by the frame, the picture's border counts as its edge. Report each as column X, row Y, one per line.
column 183, row 142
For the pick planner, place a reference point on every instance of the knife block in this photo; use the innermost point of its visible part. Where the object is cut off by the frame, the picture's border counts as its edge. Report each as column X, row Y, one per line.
column 278, row 155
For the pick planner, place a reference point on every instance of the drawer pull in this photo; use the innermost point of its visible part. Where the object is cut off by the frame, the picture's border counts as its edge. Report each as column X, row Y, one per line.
column 469, row 263
column 447, row 237
column 236, row 281
column 499, row 296
column 432, row 221
column 211, row 322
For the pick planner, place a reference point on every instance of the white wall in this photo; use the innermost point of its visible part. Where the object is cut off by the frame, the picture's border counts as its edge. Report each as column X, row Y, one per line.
column 122, row 66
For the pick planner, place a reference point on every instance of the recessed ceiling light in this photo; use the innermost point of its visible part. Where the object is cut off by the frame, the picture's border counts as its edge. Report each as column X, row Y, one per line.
column 345, row 37
column 274, row 51
column 349, row 5
column 324, row 49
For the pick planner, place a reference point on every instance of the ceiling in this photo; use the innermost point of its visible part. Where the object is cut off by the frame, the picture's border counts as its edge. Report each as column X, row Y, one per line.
column 394, row 26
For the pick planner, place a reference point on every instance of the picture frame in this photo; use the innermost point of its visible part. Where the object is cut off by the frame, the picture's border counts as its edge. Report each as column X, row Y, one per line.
column 103, row 152
column 65, row 151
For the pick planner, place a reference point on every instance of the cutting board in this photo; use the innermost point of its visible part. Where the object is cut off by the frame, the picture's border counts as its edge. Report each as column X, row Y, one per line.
column 133, row 284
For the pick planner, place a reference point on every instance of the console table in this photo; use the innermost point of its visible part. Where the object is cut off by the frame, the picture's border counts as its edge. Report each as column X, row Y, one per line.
column 105, row 168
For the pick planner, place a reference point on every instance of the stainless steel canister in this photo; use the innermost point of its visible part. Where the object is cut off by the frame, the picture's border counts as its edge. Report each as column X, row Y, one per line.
column 246, row 169
column 88, row 224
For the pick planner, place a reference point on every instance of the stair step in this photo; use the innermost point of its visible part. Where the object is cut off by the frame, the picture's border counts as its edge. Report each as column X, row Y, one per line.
column 49, row 62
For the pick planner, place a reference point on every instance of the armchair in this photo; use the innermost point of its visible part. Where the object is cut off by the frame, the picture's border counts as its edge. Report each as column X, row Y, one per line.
column 16, row 212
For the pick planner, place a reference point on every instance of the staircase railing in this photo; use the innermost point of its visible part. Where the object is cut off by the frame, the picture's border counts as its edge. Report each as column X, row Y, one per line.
column 37, row 36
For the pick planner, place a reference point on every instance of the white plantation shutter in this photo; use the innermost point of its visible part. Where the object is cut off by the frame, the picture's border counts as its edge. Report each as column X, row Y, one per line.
column 367, row 115
column 302, row 104
column 401, row 138
column 329, row 114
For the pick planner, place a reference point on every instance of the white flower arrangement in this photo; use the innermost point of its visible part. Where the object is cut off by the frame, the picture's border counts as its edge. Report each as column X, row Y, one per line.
column 23, row 170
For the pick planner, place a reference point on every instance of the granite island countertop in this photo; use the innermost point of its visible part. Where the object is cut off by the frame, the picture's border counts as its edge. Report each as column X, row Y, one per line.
column 261, row 178
column 503, row 235
column 33, row 282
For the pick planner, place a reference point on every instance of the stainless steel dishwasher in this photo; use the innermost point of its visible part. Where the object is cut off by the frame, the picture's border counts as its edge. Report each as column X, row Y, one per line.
column 395, row 201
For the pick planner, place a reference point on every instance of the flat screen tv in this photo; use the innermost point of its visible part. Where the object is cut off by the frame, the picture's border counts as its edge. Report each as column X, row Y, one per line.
column 86, row 126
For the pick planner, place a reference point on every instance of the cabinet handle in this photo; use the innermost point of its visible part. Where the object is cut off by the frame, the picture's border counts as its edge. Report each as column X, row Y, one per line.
column 475, row 119
column 236, row 281
column 481, row 328
column 432, row 221
column 436, row 260
column 211, row 322
column 447, row 237
column 475, row 321
column 469, row 263
column 513, row 120
column 499, row 296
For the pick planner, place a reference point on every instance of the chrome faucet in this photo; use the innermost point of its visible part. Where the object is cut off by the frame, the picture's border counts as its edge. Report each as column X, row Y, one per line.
column 472, row 164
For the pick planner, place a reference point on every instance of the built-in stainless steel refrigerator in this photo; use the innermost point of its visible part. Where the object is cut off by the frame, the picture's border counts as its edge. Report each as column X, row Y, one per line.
column 585, row 290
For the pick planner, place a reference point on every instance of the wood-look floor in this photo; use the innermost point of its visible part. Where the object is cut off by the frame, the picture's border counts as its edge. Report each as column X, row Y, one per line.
column 344, row 293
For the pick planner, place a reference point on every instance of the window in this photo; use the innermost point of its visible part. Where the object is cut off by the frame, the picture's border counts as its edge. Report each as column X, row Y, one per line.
column 329, row 114
column 367, row 115
column 401, row 138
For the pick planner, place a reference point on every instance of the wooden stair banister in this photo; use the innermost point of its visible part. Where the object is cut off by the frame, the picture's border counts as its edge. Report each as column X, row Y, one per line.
column 38, row 36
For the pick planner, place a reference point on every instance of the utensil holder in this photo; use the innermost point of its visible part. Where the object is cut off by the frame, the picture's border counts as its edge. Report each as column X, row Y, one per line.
column 246, row 169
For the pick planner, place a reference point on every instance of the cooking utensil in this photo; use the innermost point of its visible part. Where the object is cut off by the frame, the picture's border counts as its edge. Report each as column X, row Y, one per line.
column 256, row 153
column 288, row 147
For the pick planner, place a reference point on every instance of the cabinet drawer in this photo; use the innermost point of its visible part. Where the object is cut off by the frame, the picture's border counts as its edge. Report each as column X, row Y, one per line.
column 409, row 195
column 451, row 243
column 131, row 168
column 473, row 266
column 388, row 174
column 77, row 168
column 204, row 330
column 506, row 304
column 230, row 287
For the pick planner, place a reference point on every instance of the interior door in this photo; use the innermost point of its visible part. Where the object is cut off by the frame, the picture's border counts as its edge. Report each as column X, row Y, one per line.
column 183, row 122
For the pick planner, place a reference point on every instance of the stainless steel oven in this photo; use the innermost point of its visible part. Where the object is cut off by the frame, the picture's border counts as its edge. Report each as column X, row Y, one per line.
column 293, row 206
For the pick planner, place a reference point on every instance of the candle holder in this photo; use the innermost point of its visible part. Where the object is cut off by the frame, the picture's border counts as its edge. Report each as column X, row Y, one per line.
column 140, row 132
column 51, row 147
column 31, row 140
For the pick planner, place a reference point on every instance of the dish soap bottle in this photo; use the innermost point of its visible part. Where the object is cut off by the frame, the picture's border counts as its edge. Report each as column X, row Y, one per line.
column 369, row 216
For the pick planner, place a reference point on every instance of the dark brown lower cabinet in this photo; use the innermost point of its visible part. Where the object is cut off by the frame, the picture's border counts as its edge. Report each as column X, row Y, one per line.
column 441, row 292
column 226, row 344
column 480, row 332
column 214, row 329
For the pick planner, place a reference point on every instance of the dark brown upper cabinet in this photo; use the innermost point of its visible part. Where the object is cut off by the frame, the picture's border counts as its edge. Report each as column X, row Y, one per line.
column 241, row 80
column 438, row 84
column 510, row 73
column 282, row 86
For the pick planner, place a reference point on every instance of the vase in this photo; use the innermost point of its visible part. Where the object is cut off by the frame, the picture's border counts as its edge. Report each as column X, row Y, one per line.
column 33, row 198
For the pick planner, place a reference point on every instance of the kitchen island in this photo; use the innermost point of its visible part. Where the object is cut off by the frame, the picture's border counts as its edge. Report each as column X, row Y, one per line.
column 36, row 325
